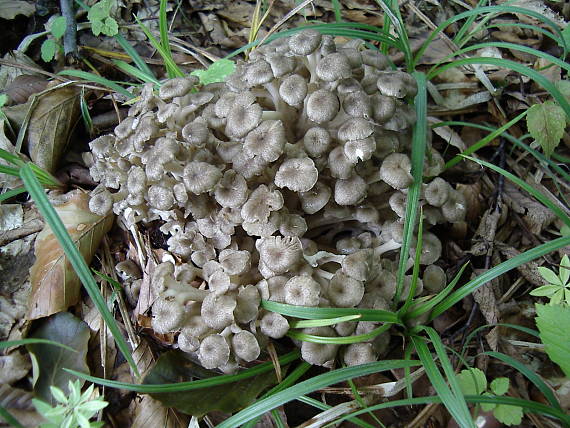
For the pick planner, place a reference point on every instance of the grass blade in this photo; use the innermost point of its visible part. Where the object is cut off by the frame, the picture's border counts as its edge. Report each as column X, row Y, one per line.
column 497, row 271
column 418, row 155
column 9, row 418
column 135, row 72
column 310, row 385
column 75, row 258
column 192, row 385
column 341, row 340
column 84, row 75
column 11, row 343
column 11, row 193
column 312, row 313
column 323, row 322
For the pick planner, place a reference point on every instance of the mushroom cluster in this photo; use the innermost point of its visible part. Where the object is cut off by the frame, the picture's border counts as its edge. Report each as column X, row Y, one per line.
column 288, row 183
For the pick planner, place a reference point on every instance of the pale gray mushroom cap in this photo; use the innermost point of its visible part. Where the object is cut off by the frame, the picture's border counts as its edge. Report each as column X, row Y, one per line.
column 186, row 342
column 316, row 141
column 359, row 353
column 258, row 73
column 339, row 165
column 434, row 278
column 280, row 254
column 431, row 249
column 344, row 291
column 167, row 315
column 247, row 304
column 374, row 58
column 196, row 133
column 318, row 353
column 322, row 106
column 231, row 190
column 214, row 351
column 200, row 177
column 292, row 225
column 217, row 311
column 261, row 203
column 398, row 203
column 356, row 128
column 360, row 150
column 315, row 199
column 350, row 191
column 293, row 89
column 397, row 84
column 302, row 291
column 235, row 262
column 357, row 104
column 274, row 325
column 280, row 64
column 357, row 264
column 334, row 66
column 160, row 197
column 176, row 87
column 455, row 207
column 101, row 203
column 396, row 171
column 242, row 119
column 304, row 42
column 266, row 141
column 245, row 346
column 297, row 174
column 437, row 192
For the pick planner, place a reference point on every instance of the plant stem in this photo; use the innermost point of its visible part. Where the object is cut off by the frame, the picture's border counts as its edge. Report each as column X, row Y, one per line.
column 70, row 35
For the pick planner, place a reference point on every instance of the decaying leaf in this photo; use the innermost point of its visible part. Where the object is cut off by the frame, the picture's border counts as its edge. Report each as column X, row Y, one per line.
column 447, row 134
column 13, row 367
column 535, row 215
column 49, row 361
column 546, row 123
column 9, row 9
column 55, row 286
column 173, row 366
column 19, row 403
column 150, row 413
column 53, row 118
column 9, row 73
column 22, row 87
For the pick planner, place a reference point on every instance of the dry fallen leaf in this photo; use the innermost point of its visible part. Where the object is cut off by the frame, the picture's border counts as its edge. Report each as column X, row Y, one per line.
column 535, row 215
column 55, row 285
column 53, row 118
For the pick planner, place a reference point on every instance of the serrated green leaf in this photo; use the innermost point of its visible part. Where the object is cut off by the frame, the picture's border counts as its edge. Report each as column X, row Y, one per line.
column 110, row 27
column 564, row 273
column 508, row 415
column 96, row 27
column 58, row 394
column 218, row 71
column 546, row 123
column 99, row 11
column 549, row 276
column 58, row 27
column 545, row 290
column 500, row 386
column 48, row 50
column 553, row 323
column 564, row 87
column 487, row 407
column 472, row 381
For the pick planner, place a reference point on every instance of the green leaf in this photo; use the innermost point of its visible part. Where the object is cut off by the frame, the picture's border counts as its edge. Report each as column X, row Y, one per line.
column 564, row 87
column 58, row 27
column 564, row 273
column 173, row 366
column 58, row 394
column 70, row 331
column 110, row 27
column 97, row 27
column 546, row 123
column 218, row 71
column 566, row 35
column 99, row 11
column 487, row 407
column 3, row 99
column 549, row 276
column 553, row 323
column 48, row 50
column 545, row 290
column 472, row 381
column 500, row 386
column 508, row 415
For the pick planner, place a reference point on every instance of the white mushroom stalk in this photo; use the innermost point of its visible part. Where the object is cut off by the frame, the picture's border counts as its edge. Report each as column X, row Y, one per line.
column 288, row 183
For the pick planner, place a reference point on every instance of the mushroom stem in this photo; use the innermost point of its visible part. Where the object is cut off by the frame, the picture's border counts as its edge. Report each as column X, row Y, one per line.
column 184, row 293
column 387, row 246
column 323, row 273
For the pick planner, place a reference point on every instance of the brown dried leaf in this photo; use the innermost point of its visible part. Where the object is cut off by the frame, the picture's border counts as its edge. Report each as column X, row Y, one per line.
column 53, row 118
column 535, row 215
column 528, row 270
column 9, row 9
column 448, row 135
column 14, row 367
column 24, row 86
column 19, row 403
column 150, row 413
column 9, row 73
column 55, row 285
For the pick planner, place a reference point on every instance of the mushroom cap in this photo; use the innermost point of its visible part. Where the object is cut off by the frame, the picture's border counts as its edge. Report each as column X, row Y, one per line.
column 340, row 166
column 245, row 346
column 356, row 128
column 434, row 278
column 396, row 84
column 334, row 66
column 280, row 254
column 383, row 107
column 360, row 150
column 217, row 310
column 167, row 315
column 101, row 203
column 196, row 133
column 261, row 203
column 234, row 262
column 357, row 265
column 319, row 353
column 231, row 190
column 242, row 119
column 322, row 106
column 359, row 353
column 297, row 174
column 176, row 87
column 266, row 141
column 315, row 199
column 214, row 351
column 395, row 171
column 258, row 73
column 281, row 64
column 350, row 191
column 437, row 192
column 274, row 325
column 455, row 208
column 431, row 249
column 293, row 89
column 374, row 59
column 304, row 42
column 344, row 291
column 200, row 177
column 398, row 203
column 160, row 197
column 316, row 141
column 247, row 304
column 357, row 104
column 302, row 291
column 187, row 342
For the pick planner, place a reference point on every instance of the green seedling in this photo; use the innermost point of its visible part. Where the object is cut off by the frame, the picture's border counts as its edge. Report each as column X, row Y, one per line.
column 72, row 411
column 474, row 382
column 218, row 71
column 558, row 287
column 100, row 19
column 52, row 44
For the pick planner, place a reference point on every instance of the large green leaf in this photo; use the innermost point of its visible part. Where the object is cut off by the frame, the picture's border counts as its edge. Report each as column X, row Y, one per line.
column 553, row 323
column 173, row 367
column 546, row 123
column 49, row 361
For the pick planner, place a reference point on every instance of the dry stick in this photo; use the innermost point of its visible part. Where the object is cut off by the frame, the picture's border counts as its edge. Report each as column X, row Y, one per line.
column 70, row 35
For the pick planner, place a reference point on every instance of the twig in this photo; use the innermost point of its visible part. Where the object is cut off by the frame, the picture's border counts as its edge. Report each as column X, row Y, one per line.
column 70, row 35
